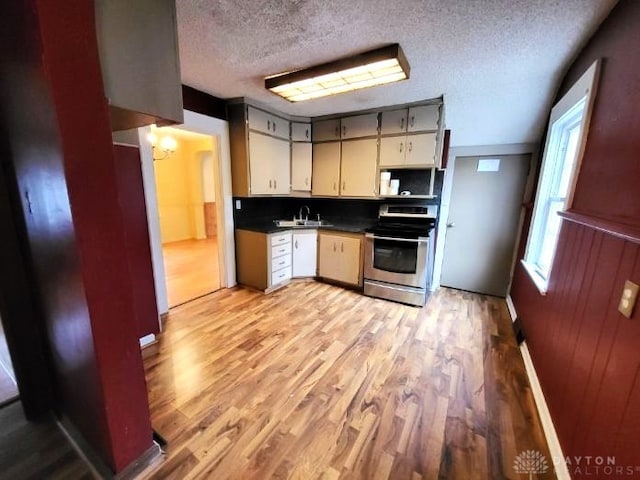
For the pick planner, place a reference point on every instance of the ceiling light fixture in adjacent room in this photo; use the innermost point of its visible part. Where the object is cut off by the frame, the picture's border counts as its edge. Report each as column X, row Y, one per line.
column 162, row 147
column 369, row 69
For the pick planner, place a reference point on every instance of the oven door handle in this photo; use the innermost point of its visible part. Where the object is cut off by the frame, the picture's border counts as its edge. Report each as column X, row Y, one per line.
column 394, row 239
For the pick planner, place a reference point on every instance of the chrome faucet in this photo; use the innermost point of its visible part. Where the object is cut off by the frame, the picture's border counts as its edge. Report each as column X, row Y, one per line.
column 308, row 212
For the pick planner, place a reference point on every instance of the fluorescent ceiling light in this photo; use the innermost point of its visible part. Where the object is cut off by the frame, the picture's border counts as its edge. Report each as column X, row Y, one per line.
column 376, row 67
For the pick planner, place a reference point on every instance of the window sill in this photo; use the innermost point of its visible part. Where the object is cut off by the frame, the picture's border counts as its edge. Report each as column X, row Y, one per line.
column 538, row 281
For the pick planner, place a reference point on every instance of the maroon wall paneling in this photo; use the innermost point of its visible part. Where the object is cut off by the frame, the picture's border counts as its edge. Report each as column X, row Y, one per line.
column 610, row 169
column 78, row 241
column 585, row 352
column 134, row 213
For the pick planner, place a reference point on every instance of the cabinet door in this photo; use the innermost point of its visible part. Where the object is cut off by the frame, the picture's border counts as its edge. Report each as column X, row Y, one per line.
column 328, row 256
column 358, row 169
column 349, row 264
column 423, row 118
column 261, row 179
column 326, row 169
column 421, row 150
column 305, row 251
column 394, row 121
column 359, row 126
column 280, row 166
column 301, row 166
column 267, row 123
column 326, row 130
column 392, row 151
column 300, row 132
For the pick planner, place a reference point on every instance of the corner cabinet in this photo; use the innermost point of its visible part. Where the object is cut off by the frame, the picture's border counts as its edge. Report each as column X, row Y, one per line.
column 340, row 257
column 263, row 261
column 260, row 152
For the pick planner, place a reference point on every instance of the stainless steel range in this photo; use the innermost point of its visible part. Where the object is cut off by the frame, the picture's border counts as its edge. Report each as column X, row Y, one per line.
column 398, row 253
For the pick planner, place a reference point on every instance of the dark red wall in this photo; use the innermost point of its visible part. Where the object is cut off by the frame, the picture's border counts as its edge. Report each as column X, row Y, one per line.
column 587, row 355
column 60, row 166
column 108, row 323
column 134, row 213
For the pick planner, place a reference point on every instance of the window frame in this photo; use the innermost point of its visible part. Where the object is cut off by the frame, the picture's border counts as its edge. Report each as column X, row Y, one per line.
column 561, row 120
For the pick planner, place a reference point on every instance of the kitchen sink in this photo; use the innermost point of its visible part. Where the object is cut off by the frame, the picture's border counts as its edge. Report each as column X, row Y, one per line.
column 302, row 223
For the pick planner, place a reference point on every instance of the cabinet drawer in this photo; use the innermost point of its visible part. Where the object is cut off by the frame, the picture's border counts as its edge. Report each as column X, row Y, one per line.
column 281, row 262
column 280, row 239
column 280, row 250
column 281, row 275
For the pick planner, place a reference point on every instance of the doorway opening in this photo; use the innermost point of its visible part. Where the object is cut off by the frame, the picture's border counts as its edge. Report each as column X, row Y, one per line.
column 8, row 386
column 186, row 183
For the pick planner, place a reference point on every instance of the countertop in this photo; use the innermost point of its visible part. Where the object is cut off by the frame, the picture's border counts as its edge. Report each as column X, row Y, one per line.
column 357, row 225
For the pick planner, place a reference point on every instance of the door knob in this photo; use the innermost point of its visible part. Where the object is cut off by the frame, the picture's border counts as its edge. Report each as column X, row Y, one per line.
column 451, row 224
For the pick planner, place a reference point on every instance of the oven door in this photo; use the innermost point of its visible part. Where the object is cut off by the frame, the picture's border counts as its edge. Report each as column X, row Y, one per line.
column 402, row 261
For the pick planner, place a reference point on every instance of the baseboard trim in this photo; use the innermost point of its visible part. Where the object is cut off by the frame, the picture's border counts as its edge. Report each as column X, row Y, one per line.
column 561, row 470
column 97, row 467
column 141, row 464
column 148, row 340
column 512, row 308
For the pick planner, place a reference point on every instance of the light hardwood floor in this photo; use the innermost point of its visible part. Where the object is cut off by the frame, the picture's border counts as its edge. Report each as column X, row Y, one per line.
column 191, row 269
column 317, row 382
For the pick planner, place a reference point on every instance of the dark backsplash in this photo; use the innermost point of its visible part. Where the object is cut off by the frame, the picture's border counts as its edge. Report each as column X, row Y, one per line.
column 270, row 208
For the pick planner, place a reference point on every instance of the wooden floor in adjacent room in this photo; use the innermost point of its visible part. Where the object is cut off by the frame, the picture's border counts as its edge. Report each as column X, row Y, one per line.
column 8, row 387
column 317, row 382
column 191, row 269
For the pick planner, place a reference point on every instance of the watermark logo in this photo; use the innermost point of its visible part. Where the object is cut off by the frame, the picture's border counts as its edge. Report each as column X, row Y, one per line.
column 530, row 462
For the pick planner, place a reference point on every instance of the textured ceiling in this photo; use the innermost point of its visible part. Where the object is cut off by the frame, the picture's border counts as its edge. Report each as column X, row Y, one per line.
column 497, row 62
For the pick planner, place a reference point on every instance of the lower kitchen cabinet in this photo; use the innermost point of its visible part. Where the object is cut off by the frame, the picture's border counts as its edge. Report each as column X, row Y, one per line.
column 263, row 261
column 340, row 257
column 305, row 251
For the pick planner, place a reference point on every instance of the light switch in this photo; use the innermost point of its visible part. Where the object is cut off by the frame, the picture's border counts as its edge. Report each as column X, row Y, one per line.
column 628, row 299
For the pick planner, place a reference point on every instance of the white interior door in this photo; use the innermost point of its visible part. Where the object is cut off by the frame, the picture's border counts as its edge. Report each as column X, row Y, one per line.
column 482, row 226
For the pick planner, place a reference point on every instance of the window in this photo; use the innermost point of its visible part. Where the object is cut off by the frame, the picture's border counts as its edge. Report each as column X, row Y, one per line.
column 568, row 124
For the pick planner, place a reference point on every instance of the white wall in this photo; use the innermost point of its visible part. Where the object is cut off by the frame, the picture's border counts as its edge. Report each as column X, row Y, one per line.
column 219, row 129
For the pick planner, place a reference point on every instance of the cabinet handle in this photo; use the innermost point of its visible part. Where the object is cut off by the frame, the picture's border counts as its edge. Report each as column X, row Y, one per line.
column 334, row 246
column 402, row 123
column 412, row 120
column 401, row 146
column 410, row 146
column 268, row 124
column 338, row 132
column 270, row 184
column 296, row 244
column 344, row 185
column 306, row 133
column 334, row 186
column 274, row 126
column 342, row 247
column 344, row 130
column 275, row 184
column 306, row 180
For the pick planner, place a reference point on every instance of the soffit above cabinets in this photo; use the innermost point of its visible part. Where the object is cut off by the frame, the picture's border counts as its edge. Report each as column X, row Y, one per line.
column 497, row 63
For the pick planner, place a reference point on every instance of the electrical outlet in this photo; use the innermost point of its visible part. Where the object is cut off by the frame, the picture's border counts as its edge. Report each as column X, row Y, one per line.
column 628, row 299
column 238, row 204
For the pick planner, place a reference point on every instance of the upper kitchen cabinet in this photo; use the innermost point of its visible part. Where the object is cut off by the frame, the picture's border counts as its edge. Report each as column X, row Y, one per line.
column 325, row 130
column 410, row 151
column 301, row 166
column 326, row 169
column 300, row 132
column 265, row 122
column 359, row 126
column 358, row 168
column 138, row 46
column 260, row 161
column 414, row 119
